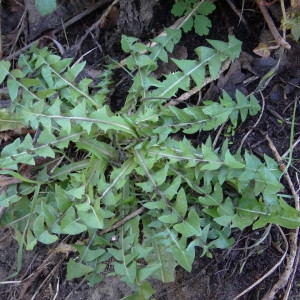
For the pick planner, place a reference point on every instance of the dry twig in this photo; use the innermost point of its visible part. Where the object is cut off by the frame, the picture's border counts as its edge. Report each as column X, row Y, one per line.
column 196, row 89
column 73, row 20
column 47, row 279
column 278, row 38
column 270, row 271
column 239, row 14
column 123, row 221
column 291, row 279
column 279, row 117
column 77, row 46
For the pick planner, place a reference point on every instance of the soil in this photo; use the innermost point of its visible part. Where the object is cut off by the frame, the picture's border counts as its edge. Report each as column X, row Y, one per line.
column 229, row 272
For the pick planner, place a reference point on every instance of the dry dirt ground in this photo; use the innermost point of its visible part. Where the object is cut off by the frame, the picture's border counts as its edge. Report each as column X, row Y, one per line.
column 230, row 272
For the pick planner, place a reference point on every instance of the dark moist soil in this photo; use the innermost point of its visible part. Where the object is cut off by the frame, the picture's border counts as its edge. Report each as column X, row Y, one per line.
column 229, row 272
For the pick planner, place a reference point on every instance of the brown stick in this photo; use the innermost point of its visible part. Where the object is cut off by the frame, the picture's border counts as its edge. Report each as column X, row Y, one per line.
column 73, row 20
column 270, row 271
column 123, row 221
column 239, row 14
column 278, row 38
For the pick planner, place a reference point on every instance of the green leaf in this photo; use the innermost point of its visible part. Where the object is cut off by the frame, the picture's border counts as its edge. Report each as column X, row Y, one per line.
column 231, row 49
column 165, row 43
column 226, row 208
column 62, row 200
column 188, row 25
column 224, row 220
column 45, row 7
column 6, row 198
column 170, row 218
column 145, row 61
column 105, row 120
column 30, row 82
column 161, row 255
column 161, row 175
column 60, row 65
column 90, row 215
column 219, row 114
column 254, row 106
column 155, row 205
column 223, row 241
column 212, row 160
column 178, row 9
column 13, row 88
column 198, row 19
column 45, row 152
column 87, row 254
column 145, row 291
column 77, row 270
column 126, row 43
column 16, row 74
column 75, row 70
column 266, row 182
column 49, row 214
column 31, row 241
column 128, row 273
column 46, row 72
column 193, row 68
column 117, row 254
column 181, row 203
column 215, row 198
column 147, row 271
column 77, row 192
column 287, row 217
column 231, row 162
column 172, row 189
column 238, row 222
column 10, row 121
column 185, row 257
column 41, row 232
column 202, row 24
column 105, row 164
column 69, row 223
column 207, row 8
column 171, row 85
column 146, row 186
column 4, row 69
column 97, row 276
column 191, row 226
